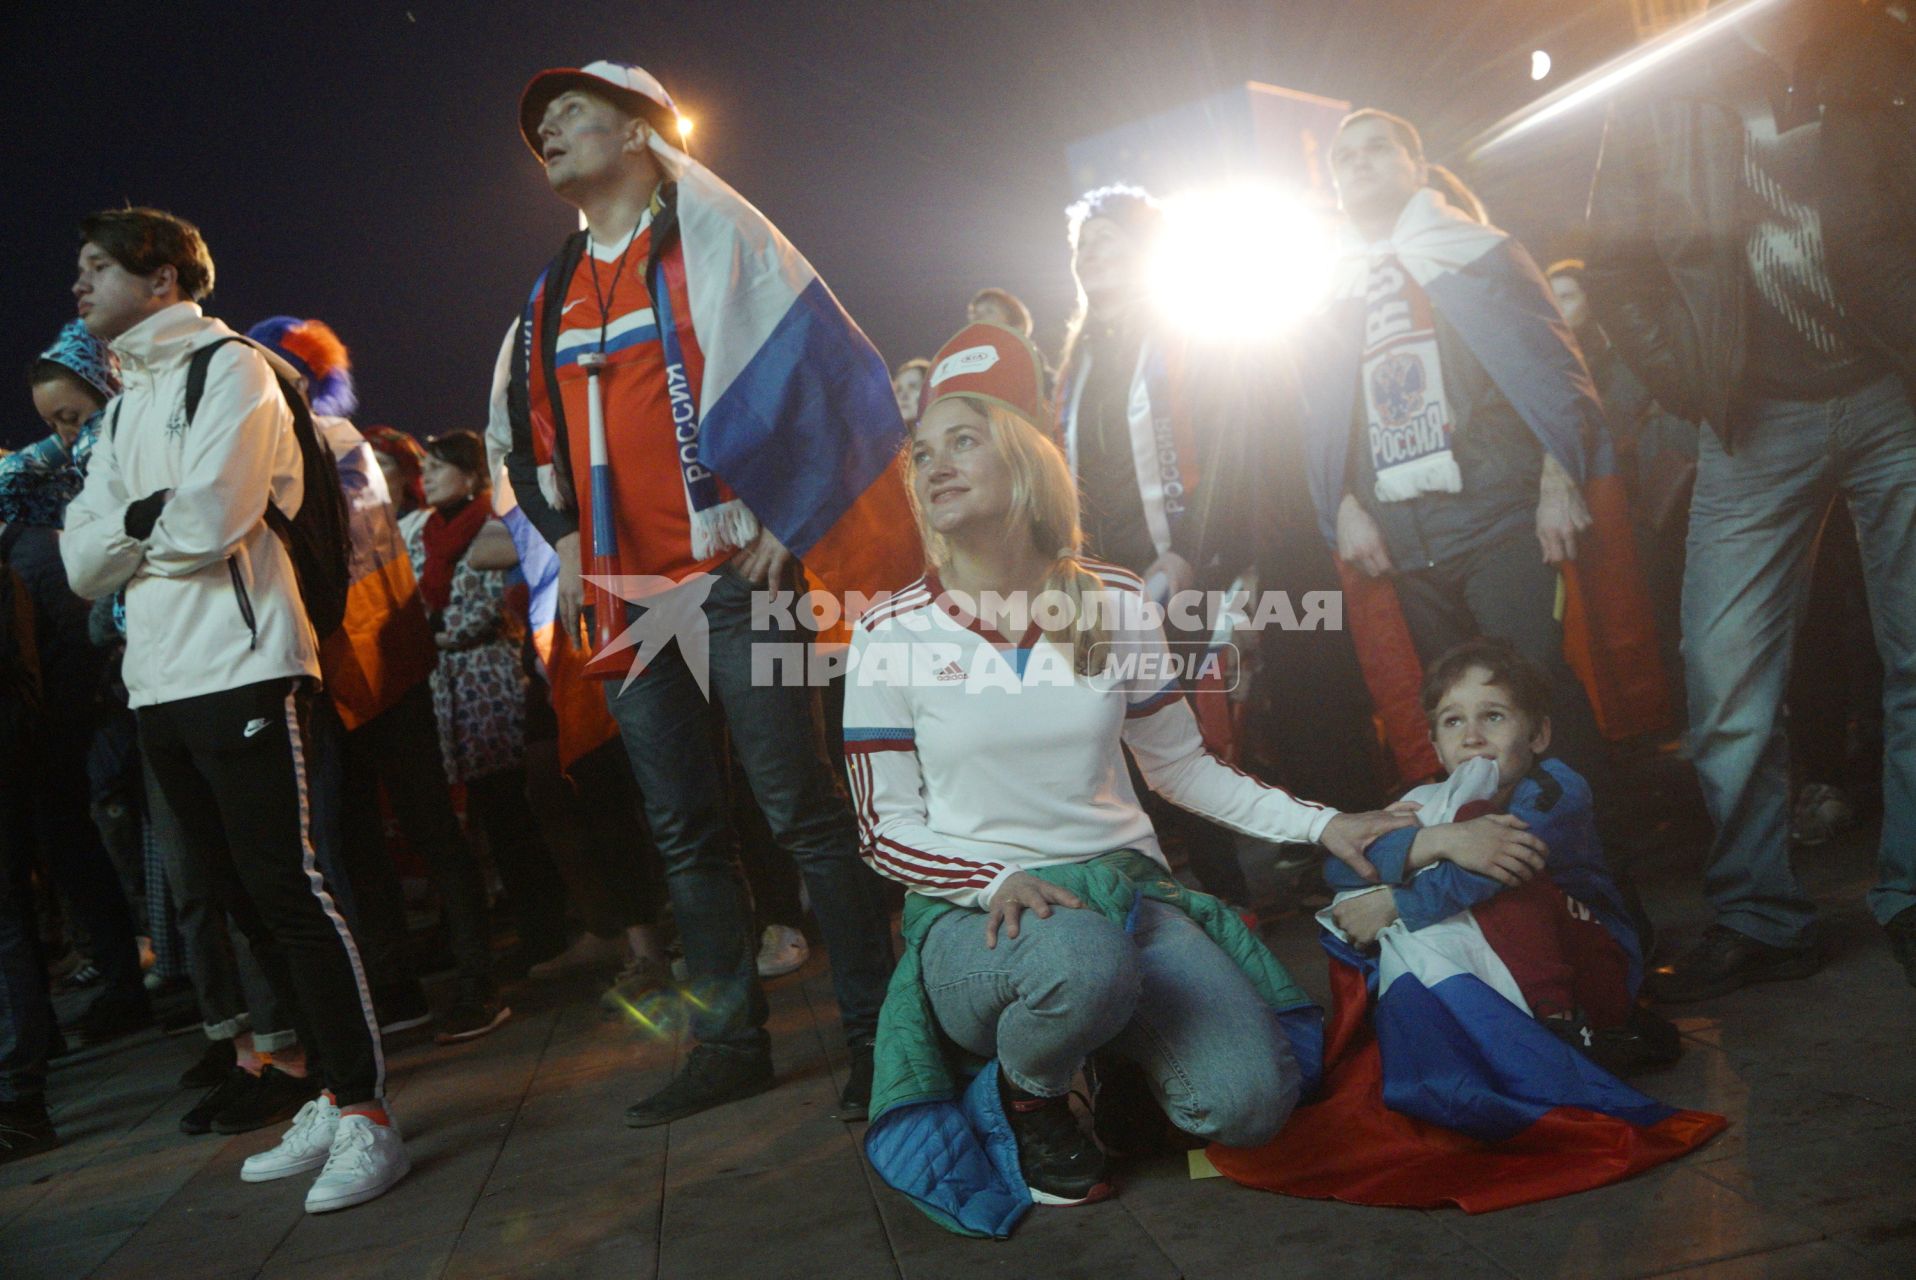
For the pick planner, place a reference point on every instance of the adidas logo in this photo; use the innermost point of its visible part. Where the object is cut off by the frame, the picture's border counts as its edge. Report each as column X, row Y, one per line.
column 951, row 672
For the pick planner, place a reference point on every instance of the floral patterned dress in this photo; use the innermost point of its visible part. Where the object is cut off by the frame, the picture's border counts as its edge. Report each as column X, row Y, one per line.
column 479, row 686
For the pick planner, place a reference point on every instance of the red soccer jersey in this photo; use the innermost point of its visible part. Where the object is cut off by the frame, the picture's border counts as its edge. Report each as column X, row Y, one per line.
column 608, row 307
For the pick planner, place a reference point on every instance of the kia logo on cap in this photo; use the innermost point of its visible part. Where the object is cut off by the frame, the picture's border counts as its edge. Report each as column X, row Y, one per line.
column 970, row 360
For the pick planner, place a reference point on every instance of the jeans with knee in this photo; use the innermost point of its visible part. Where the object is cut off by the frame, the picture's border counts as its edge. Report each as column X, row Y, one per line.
column 1753, row 525
column 1164, row 996
column 667, row 727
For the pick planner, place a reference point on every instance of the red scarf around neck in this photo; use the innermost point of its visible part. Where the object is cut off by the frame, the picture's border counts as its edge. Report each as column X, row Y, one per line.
column 446, row 542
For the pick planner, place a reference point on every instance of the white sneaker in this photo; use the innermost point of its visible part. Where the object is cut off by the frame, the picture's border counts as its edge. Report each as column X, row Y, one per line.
column 366, row 1159
column 782, row 950
column 588, row 951
column 301, row 1148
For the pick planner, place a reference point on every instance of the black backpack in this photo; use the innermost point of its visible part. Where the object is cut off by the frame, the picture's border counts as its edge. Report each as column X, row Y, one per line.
column 319, row 538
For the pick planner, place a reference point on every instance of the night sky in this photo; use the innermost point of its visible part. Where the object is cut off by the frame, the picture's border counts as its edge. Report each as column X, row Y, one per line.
column 360, row 162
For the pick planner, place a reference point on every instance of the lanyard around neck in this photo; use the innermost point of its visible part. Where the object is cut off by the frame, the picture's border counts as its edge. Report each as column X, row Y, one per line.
column 605, row 296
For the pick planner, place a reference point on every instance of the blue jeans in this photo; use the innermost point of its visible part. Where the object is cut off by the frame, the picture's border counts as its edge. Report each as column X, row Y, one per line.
column 1753, row 530
column 1164, row 997
column 668, row 731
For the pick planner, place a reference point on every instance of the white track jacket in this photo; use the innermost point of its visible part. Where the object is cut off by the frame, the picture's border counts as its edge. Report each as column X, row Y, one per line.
column 211, row 600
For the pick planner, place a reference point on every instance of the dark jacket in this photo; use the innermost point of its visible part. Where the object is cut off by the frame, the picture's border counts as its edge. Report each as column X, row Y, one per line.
column 72, row 670
column 1232, row 401
column 1864, row 75
column 1667, row 275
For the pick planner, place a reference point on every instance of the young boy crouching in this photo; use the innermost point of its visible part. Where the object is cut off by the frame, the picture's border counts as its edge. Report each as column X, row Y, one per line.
column 1564, row 938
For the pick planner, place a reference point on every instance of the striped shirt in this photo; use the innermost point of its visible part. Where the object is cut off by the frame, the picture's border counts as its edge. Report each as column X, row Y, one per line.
column 973, row 757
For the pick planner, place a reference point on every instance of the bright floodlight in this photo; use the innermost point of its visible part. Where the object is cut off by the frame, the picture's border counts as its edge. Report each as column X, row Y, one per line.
column 685, row 126
column 1241, row 262
column 1539, row 65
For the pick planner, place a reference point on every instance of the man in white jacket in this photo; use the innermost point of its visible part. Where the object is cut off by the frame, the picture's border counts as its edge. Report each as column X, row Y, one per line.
column 219, row 654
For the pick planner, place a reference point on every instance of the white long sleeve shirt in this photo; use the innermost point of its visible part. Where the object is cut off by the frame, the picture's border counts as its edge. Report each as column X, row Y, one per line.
column 972, row 758
column 211, row 599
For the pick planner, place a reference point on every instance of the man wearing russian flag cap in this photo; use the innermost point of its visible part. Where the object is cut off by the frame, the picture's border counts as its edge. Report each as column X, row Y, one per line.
column 681, row 374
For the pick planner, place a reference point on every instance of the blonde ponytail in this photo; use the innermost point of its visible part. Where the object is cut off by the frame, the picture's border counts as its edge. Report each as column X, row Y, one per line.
column 1089, row 626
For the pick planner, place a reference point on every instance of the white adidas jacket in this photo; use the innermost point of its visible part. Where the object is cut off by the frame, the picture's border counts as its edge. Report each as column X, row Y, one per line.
column 211, row 600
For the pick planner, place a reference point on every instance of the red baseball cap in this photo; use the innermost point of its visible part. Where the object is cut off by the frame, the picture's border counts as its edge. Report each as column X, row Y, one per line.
column 992, row 363
column 633, row 88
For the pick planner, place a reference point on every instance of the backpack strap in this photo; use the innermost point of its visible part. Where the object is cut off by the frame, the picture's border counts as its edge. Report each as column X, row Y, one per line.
column 276, row 520
column 196, row 373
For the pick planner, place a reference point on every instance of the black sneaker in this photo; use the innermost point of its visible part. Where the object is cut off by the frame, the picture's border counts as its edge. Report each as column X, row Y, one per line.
column 401, row 1008
column 1061, row 1164
column 112, row 1016
column 1901, row 929
column 234, row 1087
column 215, row 1061
column 1646, row 1043
column 470, row 1017
column 25, row 1130
column 275, row 1099
column 854, row 1101
column 711, row 1077
column 1724, row 960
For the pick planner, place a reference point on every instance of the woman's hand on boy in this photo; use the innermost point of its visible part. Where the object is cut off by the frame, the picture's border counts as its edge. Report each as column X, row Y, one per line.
column 1365, row 916
column 1498, row 845
column 1350, row 834
column 1023, row 892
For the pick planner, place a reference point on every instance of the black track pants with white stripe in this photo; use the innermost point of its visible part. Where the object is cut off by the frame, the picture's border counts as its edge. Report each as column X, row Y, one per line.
column 234, row 768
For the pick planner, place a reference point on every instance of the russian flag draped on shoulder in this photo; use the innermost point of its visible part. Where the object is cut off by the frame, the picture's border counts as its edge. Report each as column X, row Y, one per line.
column 791, row 407
column 1485, row 286
column 799, row 415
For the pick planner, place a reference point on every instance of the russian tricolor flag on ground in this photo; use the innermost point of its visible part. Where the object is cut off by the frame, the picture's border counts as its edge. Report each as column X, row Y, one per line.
column 796, row 407
column 1450, row 1094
